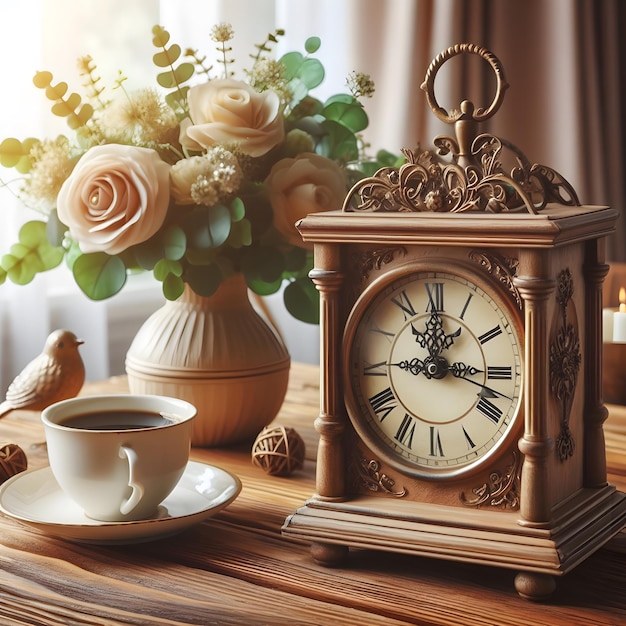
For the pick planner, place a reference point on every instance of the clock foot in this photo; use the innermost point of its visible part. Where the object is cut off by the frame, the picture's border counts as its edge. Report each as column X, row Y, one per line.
column 329, row 554
column 535, row 587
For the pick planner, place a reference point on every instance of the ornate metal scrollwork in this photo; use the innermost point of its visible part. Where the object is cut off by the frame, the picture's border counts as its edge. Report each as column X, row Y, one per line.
column 565, row 362
column 502, row 269
column 474, row 178
column 501, row 490
column 374, row 479
column 374, row 259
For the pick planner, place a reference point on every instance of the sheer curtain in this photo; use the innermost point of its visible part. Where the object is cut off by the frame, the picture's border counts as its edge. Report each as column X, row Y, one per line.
column 51, row 35
column 564, row 61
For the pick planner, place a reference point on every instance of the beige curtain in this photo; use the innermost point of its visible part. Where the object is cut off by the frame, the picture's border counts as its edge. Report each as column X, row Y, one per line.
column 565, row 61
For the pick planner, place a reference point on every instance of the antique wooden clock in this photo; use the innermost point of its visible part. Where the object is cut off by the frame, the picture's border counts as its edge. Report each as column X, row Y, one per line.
column 461, row 408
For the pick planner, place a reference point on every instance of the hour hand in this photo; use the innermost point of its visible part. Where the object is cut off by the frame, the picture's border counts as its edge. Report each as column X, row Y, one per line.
column 434, row 339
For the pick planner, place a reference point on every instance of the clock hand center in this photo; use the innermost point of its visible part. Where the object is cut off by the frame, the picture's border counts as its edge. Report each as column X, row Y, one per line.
column 433, row 367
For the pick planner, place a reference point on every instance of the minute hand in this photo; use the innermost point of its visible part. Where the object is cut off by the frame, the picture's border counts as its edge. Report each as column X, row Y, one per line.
column 486, row 392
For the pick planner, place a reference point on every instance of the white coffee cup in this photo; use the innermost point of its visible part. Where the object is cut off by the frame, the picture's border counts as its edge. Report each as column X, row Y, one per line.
column 118, row 456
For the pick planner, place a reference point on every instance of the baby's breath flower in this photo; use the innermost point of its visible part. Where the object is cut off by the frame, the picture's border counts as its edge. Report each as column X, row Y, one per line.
column 360, row 85
column 221, row 33
column 206, row 179
column 268, row 74
column 52, row 164
column 141, row 117
column 203, row 192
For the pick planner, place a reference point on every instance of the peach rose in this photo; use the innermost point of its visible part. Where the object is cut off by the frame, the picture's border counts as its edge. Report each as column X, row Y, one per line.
column 230, row 112
column 117, row 196
column 309, row 183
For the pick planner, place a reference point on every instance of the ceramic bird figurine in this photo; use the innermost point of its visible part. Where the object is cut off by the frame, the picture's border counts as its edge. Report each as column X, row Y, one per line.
column 56, row 374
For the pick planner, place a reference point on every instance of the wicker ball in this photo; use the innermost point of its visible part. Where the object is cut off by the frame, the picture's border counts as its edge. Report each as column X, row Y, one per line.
column 12, row 460
column 278, row 450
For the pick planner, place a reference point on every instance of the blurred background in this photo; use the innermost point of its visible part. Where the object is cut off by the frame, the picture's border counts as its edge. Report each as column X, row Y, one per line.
column 565, row 62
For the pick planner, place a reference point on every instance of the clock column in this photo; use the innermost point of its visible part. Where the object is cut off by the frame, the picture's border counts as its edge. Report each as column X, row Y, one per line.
column 595, row 271
column 535, row 288
column 535, row 509
column 330, row 424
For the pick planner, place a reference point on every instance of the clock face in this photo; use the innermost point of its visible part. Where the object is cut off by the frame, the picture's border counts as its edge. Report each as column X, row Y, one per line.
column 434, row 370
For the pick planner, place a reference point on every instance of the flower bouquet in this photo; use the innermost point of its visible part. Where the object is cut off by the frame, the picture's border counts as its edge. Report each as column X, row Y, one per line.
column 197, row 179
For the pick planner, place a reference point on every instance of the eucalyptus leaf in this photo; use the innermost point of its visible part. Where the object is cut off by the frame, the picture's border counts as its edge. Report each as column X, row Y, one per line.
column 338, row 143
column 208, row 227
column 173, row 287
column 161, row 36
column 165, row 267
column 312, row 44
column 12, row 152
column 99, row 275
column 19, row 271
column 32, row 254
column 350, row 115
column 301, row 299
column 203, row 280
column 311, row 73
column 237, row 209
column 174, row 243
column 291, row 63
column 264, row 288
column 240, row 234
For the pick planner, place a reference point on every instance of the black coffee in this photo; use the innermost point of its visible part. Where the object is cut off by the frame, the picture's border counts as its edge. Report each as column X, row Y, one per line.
column 117, row 420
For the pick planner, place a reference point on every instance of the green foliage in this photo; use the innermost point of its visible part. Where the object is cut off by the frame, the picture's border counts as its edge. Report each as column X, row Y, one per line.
column 264, row 47
column 312, row 44
column 208, row 227
column 16, row 153
column 176, row 75
column 302, row 74
column 87, row 69
column 69, row 106
column 301, row 299
column 99, row 275
column 197, row 245
column 31, row 255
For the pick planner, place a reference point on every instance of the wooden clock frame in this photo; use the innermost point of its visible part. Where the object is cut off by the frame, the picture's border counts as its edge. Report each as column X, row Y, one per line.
column 543, row 505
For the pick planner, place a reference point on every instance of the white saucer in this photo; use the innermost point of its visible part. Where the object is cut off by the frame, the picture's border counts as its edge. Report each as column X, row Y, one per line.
column 35, row 498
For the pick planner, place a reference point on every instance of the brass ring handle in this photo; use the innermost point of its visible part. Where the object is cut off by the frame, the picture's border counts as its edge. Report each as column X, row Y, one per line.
column 467, row 108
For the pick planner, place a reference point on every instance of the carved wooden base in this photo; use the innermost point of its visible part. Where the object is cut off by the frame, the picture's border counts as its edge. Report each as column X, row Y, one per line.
column 578, row 528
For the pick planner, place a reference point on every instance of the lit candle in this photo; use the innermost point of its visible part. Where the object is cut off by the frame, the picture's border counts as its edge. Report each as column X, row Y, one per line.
column 607, row 324
column 619, row 319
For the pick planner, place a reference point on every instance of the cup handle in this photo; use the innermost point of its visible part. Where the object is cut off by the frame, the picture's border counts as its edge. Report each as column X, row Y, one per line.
column 135, row 497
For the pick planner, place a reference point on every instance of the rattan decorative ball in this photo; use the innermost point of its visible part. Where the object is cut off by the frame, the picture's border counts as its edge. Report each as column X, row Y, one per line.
column 12, row 460
column 278, row 450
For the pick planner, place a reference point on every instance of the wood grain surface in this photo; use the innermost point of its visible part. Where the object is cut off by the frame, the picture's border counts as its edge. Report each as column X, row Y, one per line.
column 236, row 568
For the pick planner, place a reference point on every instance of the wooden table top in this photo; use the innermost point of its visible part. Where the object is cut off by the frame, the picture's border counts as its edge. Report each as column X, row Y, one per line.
column 236, row 568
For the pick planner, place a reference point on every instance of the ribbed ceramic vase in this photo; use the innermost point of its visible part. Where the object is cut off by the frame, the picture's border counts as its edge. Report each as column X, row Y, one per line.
column 219, row 354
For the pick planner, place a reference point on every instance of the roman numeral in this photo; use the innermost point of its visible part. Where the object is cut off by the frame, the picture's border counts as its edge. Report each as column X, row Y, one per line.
column 490, row 334
column 405, row 305
column 375, row 369
column 405, row 432
column 499, row 373
column 469, row 297
column 385, row 333
column 435, row 296
column 383, row 403
column 435, row 442
column 489, row 410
